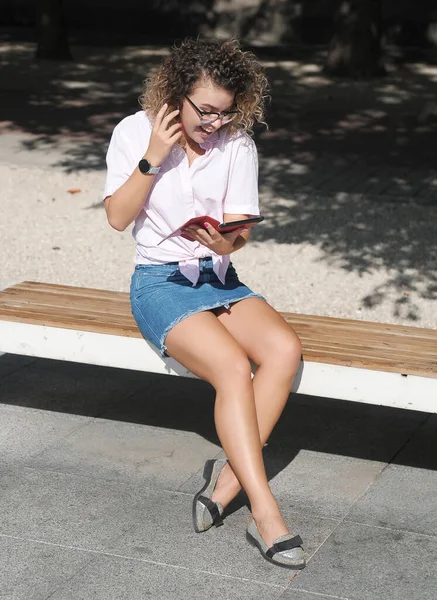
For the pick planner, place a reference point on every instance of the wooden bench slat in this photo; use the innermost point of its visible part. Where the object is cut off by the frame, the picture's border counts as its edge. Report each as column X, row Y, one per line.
column 409, row 345
column 43, row 301
column 70, row 319
column 311, row 337
column 121, row 299
column 56, row 289
column 393, row 348
column 353, row 326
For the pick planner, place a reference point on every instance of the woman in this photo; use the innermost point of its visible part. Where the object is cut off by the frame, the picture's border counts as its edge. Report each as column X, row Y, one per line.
column 188, row 153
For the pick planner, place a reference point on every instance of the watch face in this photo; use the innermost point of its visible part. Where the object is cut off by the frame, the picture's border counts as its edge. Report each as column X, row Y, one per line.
column 144, row 166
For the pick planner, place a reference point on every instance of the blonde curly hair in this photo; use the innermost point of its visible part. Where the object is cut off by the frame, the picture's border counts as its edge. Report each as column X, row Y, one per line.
column 222, row 63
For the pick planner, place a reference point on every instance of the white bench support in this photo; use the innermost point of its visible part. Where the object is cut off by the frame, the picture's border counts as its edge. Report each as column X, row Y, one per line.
column 313, row 378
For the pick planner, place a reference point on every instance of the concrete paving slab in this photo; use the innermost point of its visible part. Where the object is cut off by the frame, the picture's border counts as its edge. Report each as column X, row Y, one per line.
column 25, row 432
column 63, row 509
column 127, row 452
column 68, row 387
column 359, row 562
column 320, row 483
column 32, row 570
column 402, row 498
column 166, row 535
column 344, row 428
column 114, row 578
column 182, row 404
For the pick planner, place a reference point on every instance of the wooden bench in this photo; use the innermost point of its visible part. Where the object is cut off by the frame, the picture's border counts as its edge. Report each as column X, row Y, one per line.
column 351, row 360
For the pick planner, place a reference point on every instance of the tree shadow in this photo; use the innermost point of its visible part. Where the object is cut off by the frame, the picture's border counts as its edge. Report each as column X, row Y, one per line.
column 346, row 166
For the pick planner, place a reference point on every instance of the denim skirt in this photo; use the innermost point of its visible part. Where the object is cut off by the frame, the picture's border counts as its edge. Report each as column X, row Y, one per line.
column 161, row 296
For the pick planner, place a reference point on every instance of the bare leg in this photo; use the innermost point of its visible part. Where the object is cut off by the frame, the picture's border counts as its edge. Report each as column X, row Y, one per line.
column 273, row 345
column 205, row 347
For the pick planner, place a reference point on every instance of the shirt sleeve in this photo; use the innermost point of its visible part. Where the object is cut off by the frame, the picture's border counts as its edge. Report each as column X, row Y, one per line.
column 119, row 160
column 242, row 190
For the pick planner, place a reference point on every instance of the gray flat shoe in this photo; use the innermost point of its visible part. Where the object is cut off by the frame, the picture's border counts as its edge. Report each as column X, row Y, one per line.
column 286, row 551
column 207, row 513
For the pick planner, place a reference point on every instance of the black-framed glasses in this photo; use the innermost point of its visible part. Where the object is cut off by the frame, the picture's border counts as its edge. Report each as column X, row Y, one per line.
column 207, row 117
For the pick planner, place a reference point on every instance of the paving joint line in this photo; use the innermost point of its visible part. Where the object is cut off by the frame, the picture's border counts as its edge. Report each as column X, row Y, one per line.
column 371, row 526
column 93, row 477
column 320, row 594
column 141, row 560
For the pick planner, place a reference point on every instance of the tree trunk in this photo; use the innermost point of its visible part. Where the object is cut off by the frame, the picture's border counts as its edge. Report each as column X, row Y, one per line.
column 52, row 31
column 355, row 49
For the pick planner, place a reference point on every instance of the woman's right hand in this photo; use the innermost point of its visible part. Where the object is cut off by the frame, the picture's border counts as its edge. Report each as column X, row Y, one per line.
column 163, row 137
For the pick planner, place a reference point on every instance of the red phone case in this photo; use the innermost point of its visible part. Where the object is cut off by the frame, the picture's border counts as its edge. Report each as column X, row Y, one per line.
column 199, row 221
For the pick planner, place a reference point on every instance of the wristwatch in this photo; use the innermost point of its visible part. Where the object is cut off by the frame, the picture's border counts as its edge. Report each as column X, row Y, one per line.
column 146, row 168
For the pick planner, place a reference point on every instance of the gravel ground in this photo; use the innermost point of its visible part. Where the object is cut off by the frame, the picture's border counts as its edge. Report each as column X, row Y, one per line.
column 356, row 263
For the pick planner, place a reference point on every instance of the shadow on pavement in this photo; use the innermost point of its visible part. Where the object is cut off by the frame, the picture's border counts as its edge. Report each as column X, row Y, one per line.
column 320, row 425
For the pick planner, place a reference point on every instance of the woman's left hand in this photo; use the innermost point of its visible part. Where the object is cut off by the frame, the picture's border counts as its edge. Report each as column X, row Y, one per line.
column 220, row 243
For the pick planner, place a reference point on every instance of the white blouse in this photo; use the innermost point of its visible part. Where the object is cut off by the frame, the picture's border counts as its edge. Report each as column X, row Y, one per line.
column 223, row 180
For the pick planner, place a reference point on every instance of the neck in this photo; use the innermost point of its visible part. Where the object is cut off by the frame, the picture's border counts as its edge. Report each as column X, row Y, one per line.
column 192, row 145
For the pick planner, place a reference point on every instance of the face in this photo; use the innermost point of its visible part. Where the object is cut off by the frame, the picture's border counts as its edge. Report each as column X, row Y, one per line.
column 209, row 98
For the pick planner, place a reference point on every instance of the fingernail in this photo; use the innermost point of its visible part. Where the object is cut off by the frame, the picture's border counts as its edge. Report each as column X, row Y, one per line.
column 206, row 224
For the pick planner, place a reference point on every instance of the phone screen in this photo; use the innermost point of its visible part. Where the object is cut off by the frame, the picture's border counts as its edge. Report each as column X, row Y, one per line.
column 236, row 224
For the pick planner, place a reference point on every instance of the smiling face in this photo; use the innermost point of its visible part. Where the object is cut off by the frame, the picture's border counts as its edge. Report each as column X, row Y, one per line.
column 209, row 98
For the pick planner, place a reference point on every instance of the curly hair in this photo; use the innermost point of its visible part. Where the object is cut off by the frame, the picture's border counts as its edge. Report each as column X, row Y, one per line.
column 222, row 63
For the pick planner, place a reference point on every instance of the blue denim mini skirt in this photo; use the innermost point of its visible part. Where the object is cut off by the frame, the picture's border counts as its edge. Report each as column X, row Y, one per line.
column 161, row 296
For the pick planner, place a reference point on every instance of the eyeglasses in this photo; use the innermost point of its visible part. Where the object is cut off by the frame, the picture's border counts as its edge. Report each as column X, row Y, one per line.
column 207, row 118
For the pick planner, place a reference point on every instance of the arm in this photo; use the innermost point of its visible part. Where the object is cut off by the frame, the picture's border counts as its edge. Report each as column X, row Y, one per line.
column 124, row 205
column 243, row 237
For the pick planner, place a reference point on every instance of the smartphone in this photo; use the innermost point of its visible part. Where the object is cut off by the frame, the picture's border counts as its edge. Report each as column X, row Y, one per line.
column 232, row 225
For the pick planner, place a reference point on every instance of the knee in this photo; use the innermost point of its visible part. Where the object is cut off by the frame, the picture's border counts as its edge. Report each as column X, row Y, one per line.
column 235, row 369
column 286, row 352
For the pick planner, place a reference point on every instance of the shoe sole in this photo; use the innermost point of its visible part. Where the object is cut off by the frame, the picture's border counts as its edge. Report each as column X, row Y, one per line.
column 254, row 542
column 207, row 473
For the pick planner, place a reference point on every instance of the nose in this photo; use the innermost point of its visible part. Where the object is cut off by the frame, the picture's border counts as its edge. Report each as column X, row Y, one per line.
column 215, row 124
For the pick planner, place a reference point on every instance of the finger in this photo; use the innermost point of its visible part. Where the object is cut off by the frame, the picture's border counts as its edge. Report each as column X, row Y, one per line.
column 232, row 235
column 197, row 230
column 166, row 120
column 198, row 233
column 175, row 137
column 174, row 128
column 212, row 231
column 160, row 115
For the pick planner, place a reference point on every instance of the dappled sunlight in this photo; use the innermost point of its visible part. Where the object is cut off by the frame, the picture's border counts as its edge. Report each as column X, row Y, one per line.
column 345, row 166
column 359, row 236
column 75, row 99
column 429, row 71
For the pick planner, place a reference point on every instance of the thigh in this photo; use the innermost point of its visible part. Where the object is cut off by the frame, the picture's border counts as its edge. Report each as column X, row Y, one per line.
column 206, row 348
column 261, row 331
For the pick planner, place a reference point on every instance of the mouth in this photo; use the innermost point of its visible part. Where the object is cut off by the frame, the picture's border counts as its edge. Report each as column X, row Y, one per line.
column 206, row 131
